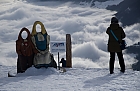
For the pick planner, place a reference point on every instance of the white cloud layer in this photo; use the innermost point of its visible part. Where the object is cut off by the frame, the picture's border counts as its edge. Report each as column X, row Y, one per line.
column 86, row 25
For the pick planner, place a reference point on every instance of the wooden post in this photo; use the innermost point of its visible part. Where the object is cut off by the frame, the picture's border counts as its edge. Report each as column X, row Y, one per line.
column 58, row 62
column 68, row 51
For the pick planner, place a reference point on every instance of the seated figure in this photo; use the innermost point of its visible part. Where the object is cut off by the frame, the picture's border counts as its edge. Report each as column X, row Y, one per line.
column 41, row 41
column 63, row 61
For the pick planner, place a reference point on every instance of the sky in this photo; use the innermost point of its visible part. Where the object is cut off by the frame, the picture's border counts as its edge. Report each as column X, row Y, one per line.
column 90, row 59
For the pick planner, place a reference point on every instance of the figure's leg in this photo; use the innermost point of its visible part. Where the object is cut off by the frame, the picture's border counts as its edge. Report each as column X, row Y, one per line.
column 18, row 65
column 121, row 61
column 23, row 63
column 30, row 61
column 111, row 63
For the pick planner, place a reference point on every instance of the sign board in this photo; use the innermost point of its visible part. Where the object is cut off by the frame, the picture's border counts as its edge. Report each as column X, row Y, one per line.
column 58, row 46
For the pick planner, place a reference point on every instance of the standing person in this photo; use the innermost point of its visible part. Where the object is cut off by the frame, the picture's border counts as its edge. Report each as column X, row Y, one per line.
column 25, row 50
column 63, row 61
column 114, row 46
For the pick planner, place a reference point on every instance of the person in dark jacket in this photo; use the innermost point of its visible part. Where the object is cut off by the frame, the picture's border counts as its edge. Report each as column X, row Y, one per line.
column 114, row 46
column 25, row 50
column 63, row 61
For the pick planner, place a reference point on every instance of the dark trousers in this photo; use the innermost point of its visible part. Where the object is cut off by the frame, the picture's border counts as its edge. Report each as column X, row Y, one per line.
column 112, row 60
column 24, row 62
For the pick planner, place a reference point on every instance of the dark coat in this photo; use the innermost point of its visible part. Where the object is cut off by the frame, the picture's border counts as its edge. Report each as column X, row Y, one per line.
column 113, row 45
column 63, row 62
column 23, row 47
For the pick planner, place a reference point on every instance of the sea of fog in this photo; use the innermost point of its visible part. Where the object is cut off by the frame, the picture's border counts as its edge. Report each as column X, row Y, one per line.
column 87, row 26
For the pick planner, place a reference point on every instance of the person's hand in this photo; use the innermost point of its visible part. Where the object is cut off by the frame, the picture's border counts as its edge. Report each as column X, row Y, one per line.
column 19, row 54
column 42, row 52
column 38, row 54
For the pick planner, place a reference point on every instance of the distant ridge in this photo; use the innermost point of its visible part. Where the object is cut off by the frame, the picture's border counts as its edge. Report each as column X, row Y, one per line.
column 128, row 12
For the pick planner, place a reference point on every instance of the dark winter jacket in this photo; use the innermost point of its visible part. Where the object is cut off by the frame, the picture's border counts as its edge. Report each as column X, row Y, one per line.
column 113, row 45
column 25, row 46
column 63, row 62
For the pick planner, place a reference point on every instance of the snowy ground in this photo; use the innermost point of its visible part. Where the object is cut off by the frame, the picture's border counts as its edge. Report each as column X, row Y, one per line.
column 75, row 79
column 90, row 58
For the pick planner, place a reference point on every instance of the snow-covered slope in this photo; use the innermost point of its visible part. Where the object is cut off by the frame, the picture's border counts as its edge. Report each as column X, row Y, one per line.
column 75, row 79
column 127, row 11
column 107, row 3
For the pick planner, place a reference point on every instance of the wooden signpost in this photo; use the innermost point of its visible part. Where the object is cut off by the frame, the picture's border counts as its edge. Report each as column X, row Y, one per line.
column 61, row 46
column 68, row 51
